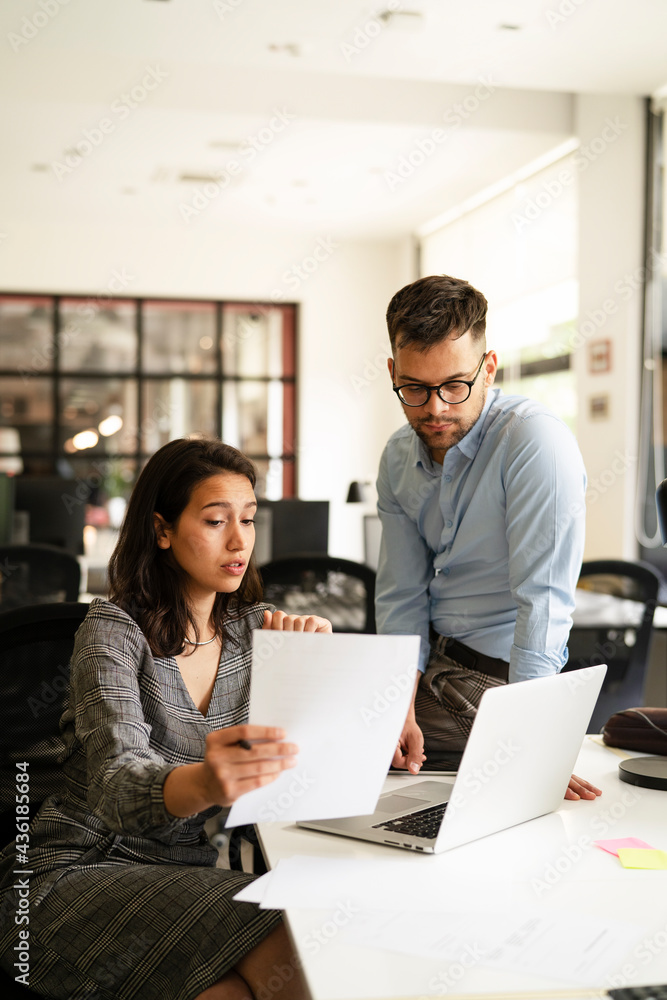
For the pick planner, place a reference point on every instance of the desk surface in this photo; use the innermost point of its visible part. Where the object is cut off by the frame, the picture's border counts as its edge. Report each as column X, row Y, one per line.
column 596, row 885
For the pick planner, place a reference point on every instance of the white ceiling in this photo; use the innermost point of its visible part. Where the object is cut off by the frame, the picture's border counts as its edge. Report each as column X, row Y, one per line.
column 357, row 92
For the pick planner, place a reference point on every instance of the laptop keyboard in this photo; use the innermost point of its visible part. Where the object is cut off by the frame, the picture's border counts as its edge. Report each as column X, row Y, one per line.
column 425, row 823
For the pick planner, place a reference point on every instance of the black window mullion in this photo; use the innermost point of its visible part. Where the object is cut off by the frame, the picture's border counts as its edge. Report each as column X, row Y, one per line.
column 55, row 440
column 219, row 366
column 139, row 373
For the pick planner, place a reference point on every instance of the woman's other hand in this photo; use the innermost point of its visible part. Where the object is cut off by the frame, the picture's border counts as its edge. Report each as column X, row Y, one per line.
column 281, row 622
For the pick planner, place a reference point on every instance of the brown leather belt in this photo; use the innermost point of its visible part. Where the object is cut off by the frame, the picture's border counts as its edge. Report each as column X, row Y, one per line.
column 471, row 659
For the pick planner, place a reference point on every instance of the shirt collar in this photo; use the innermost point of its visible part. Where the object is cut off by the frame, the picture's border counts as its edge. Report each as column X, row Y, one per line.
column 469, row 445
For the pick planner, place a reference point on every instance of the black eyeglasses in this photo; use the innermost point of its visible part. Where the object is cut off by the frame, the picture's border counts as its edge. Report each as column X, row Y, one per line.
column 454, row 391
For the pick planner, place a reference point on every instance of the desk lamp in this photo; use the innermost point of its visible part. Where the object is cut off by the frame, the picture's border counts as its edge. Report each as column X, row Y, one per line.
column 650, row 772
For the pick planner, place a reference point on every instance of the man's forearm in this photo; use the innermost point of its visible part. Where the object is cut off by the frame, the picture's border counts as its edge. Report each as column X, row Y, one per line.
column 410, row 717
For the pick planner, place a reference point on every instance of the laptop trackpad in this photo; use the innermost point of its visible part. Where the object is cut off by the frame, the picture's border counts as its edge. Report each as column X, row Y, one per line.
column 399, row 803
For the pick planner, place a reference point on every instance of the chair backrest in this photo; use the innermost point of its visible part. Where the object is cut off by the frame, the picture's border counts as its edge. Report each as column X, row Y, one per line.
column 37, row 574
column 338, row 589
column 622, row 643
column 35, row 649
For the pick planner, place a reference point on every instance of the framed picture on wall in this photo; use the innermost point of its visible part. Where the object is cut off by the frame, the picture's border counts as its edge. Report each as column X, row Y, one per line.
column 599, row 357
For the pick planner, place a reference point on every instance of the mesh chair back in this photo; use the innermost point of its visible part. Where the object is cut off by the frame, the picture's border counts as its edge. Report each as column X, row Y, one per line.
column 37, row 574
column 35, row 649
column 338, row 589
column 623, row 646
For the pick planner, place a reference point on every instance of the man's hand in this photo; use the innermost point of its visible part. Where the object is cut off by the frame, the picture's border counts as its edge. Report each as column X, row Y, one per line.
column 579, row 788
column 409, row 754
column 281, row 622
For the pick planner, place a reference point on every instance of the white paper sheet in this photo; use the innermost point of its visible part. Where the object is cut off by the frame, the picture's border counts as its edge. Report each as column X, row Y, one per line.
column 565, row 947
column 343, row 699
column 304, row 882
column 253, row 892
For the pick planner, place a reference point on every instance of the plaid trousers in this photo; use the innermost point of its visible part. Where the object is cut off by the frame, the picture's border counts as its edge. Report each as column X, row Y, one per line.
column 446, row 701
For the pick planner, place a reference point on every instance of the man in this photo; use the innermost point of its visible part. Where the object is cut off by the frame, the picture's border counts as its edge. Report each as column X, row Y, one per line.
column 481, row 499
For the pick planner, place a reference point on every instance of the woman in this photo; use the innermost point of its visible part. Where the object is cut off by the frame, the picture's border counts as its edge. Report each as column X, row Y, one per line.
column 125, row 898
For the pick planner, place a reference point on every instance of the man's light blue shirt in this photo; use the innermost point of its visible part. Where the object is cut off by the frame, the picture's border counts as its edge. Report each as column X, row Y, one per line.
column 486, row 548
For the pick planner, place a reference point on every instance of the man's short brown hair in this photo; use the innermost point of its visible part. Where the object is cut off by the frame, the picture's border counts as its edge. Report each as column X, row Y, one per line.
column 433, row 309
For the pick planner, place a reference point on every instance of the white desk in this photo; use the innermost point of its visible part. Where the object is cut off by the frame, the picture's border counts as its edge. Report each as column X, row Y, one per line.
column 596, row 884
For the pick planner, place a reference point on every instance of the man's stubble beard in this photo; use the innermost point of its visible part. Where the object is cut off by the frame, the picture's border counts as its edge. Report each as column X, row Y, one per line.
column 459, row 431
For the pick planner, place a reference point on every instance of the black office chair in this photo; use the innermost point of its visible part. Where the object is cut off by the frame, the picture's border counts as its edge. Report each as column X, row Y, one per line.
column 338, row 589
column 37, row 574
column 625, row 645
column 35, row 648
column 36, row 644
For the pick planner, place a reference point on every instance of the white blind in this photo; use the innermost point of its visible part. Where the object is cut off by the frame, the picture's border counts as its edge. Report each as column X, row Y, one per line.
column 520, row 250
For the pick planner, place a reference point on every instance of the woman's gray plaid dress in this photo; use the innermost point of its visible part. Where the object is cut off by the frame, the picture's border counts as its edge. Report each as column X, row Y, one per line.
column 125, row 900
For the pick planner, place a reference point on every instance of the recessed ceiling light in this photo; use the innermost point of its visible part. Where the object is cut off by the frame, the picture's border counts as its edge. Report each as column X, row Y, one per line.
column 404, row 18
column 287, row 48
column 194, row 178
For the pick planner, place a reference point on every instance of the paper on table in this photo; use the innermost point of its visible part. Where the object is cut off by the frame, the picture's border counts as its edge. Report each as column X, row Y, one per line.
column 633, row 857
column 579, row 950
column 463, row 938
column 253, row 892
column 569, row 948
column 343, row 699
column 304, row 882
column 612, row 846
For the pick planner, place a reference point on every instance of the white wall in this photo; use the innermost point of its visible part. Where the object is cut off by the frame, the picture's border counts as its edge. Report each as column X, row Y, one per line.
column 346, row 410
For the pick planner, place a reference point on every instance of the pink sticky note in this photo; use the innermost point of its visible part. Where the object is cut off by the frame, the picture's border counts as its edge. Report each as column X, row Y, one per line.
column 612, row 846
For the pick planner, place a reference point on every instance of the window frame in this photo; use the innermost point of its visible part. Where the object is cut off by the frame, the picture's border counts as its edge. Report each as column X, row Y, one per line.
column 55, row 374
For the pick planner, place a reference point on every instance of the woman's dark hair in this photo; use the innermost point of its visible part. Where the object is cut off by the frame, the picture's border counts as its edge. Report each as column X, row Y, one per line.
column 144, row 579
column 433, row 309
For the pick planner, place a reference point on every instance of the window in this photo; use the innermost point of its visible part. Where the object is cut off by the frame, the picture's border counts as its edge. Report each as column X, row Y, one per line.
column 90, row 388
column 519, row 248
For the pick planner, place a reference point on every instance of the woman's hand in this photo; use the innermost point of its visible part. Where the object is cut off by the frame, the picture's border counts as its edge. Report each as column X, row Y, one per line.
column 579, row 788
column 295, row 623
column 230, row 769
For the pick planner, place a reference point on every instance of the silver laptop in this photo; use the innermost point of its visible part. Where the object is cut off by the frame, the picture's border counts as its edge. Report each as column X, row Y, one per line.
column 516, row 766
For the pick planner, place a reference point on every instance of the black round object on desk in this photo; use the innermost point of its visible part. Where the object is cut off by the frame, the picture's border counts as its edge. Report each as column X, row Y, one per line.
column 649, row 772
